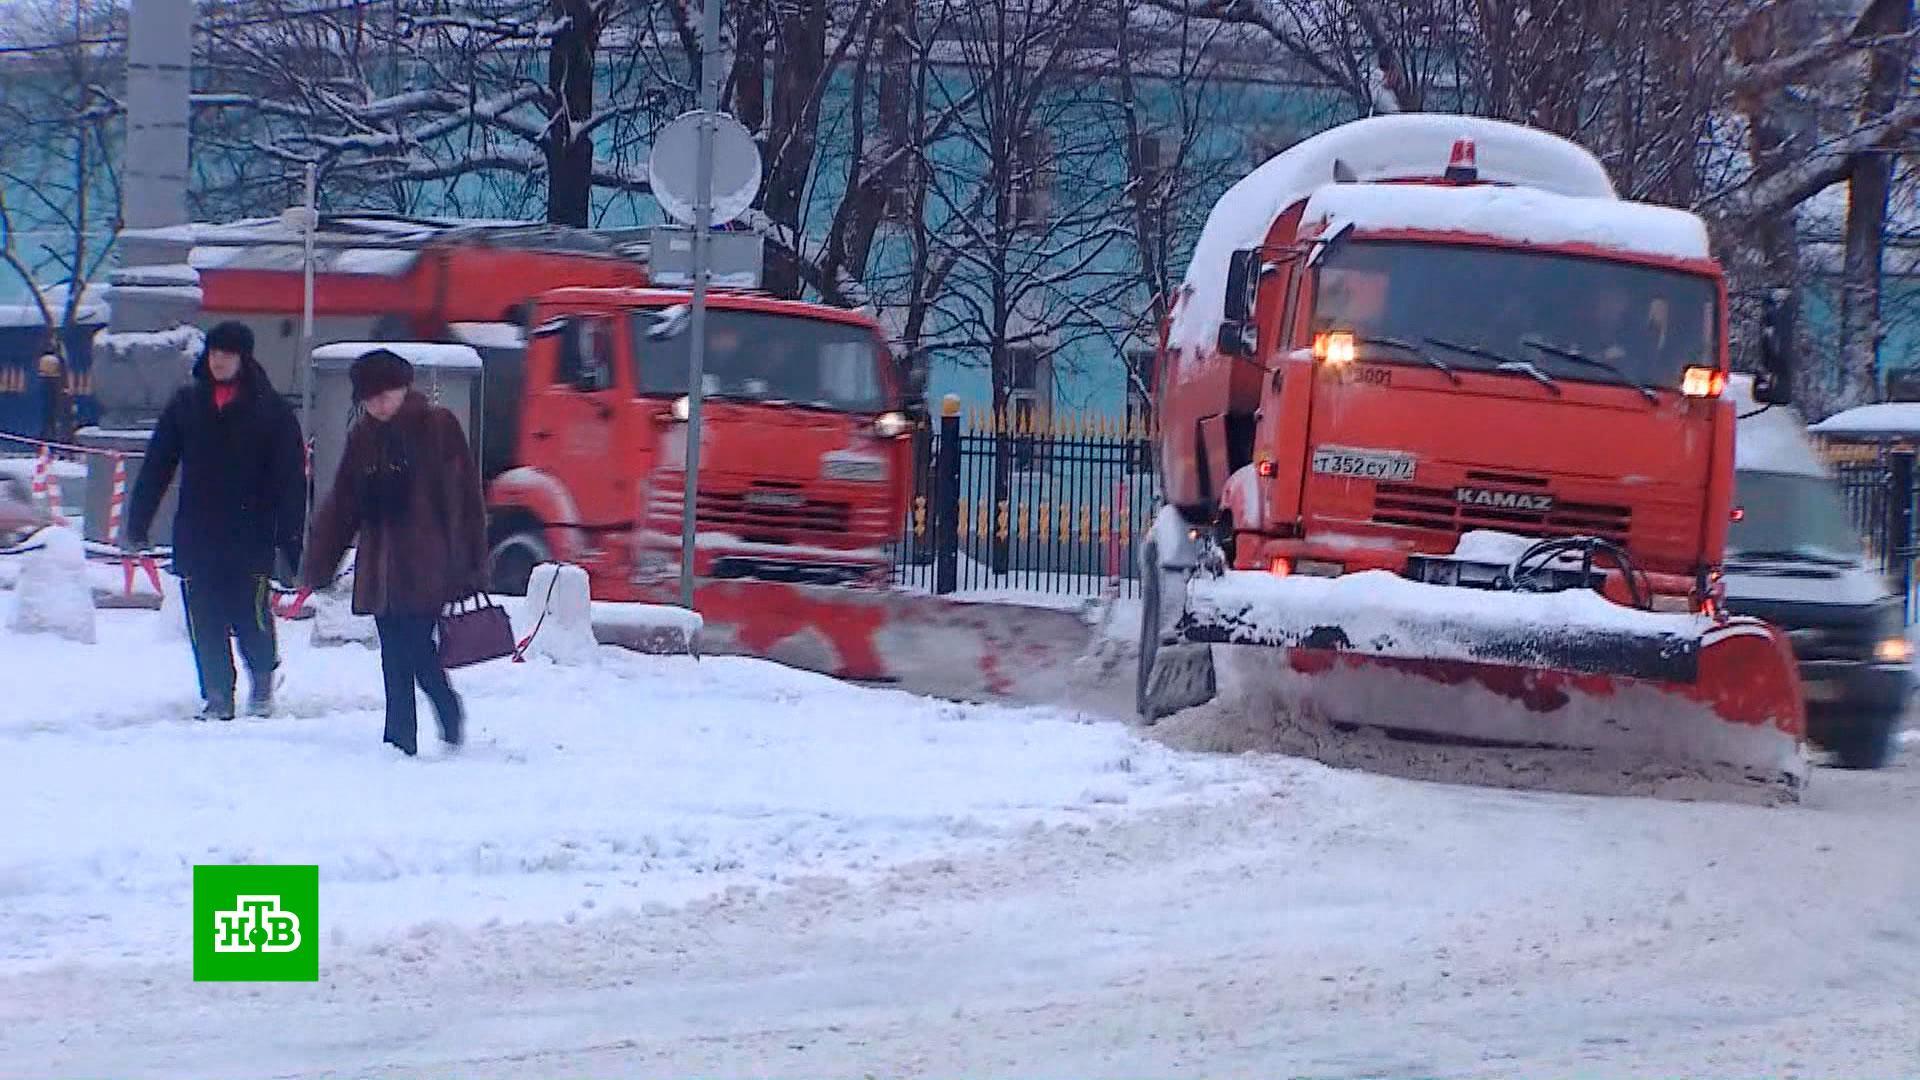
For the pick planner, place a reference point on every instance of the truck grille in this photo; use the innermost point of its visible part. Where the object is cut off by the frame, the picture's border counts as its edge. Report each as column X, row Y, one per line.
column 772, row 513
column 1418, row 507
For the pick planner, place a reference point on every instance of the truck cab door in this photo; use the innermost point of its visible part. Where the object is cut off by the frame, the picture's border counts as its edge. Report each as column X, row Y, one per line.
column 574, row 420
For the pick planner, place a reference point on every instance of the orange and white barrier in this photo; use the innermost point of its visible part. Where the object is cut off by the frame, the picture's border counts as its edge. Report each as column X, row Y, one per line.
column 115, row 506
column 46, row 489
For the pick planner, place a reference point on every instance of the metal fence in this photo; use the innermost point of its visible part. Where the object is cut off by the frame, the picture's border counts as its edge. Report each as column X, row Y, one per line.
column 1046, row 504
column 1057, row 504
column 1877, row 485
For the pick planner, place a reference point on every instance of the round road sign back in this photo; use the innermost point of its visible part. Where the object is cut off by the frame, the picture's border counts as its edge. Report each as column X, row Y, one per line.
column 674, row 166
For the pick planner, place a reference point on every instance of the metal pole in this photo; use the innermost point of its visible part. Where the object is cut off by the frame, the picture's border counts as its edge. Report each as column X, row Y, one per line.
column 702, row 227
column 312, row 226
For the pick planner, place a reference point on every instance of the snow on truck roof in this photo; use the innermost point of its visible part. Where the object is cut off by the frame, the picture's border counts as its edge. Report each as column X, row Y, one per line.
column 1399, row 146
column 1523, row 215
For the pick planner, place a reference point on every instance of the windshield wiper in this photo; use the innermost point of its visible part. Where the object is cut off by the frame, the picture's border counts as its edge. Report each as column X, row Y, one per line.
column 1578, row 357
column 1502, row 362
column 1480, row 351
column 1521, row 367
column 1419, row 353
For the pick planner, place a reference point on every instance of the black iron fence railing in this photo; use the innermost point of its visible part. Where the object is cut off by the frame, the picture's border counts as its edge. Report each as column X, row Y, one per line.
column 1028, row 503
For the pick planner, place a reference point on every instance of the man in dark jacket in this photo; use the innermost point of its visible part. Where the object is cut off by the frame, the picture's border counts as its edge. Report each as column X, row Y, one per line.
column 243, row 498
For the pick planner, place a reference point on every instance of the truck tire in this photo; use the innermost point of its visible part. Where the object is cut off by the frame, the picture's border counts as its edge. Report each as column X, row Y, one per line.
column 516, row 544
column 1867, row 743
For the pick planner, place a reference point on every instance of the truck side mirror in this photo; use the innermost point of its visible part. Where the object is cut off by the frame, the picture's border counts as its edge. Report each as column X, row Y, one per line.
column 1243, row 289
column 1773, row 385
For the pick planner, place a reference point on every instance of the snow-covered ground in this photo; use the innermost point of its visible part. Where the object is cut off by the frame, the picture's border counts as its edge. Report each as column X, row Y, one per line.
column 624, row 784
column 660, row 866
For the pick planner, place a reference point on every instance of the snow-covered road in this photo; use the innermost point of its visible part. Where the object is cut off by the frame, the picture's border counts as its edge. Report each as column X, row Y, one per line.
column 652, row 866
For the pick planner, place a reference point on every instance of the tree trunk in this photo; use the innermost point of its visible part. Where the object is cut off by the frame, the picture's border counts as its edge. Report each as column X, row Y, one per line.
column 750, row 68
column 1868, row 186
column 800, row 55
column 569, row 149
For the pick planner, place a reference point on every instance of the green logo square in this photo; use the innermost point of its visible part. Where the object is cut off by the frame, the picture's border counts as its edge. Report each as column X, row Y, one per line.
column 256, row 924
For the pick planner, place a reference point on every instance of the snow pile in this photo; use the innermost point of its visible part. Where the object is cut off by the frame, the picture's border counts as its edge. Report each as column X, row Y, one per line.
column 1520, row 215
column 1378, row 148
column 626, row 784
column 1886, row 418
column 171, row 626
column 53, row 594
column 559, row 599
column 660, row 629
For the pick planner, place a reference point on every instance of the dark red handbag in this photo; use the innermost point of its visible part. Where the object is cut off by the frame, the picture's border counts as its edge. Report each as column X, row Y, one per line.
column 474, row 631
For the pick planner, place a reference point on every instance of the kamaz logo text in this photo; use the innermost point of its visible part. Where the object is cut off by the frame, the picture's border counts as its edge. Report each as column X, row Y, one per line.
column 1491, row 499
column 256, row 924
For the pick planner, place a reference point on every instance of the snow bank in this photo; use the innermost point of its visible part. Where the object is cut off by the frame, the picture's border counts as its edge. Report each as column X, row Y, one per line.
column 421, row 354
column 1521, row 215
column 1378, row 148
column 53, row 595
column 1886, row 418
column 171, row 625
column 622, row 785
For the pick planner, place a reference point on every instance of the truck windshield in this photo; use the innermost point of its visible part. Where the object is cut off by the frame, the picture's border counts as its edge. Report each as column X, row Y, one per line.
column 1789, row 515
column 1629, row 322
column 760, row 356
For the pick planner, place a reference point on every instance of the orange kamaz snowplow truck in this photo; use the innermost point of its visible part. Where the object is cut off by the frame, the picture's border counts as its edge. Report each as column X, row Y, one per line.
column 804, row 448
column 805, row 474
column 1442, row 427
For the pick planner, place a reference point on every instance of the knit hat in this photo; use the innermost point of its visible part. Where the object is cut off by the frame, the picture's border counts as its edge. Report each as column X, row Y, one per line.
column 231, row 337
column 378, row 372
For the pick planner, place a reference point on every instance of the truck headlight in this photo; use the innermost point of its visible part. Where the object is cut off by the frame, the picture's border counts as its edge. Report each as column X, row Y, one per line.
column 1893, row 650
column 892, row 425
column 682, row 409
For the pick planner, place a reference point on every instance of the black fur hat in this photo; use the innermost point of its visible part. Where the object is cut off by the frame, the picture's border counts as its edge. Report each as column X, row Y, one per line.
column 231, row 337
column 379, row 371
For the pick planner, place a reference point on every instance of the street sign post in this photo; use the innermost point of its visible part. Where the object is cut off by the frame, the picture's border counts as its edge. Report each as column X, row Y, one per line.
column 725, row 177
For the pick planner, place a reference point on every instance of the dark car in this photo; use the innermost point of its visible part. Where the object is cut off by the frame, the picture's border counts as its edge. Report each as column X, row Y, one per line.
column 1795, row 559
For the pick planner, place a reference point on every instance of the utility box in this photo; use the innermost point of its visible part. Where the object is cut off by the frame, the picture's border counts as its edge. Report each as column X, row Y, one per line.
column 447, row 375
column 98, row 500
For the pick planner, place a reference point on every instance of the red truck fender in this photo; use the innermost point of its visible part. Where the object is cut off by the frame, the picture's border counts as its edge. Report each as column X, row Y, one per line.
column 523, row 493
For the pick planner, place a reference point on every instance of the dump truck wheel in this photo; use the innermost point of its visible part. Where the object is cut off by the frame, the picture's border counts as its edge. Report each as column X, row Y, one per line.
column 514, row 547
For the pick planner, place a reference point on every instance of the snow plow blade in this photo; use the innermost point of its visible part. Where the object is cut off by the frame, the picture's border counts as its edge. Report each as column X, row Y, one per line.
column 1567, row 670
column 957, row 649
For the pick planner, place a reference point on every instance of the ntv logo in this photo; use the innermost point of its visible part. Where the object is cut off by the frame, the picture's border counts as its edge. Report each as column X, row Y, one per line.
column 256, row 924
